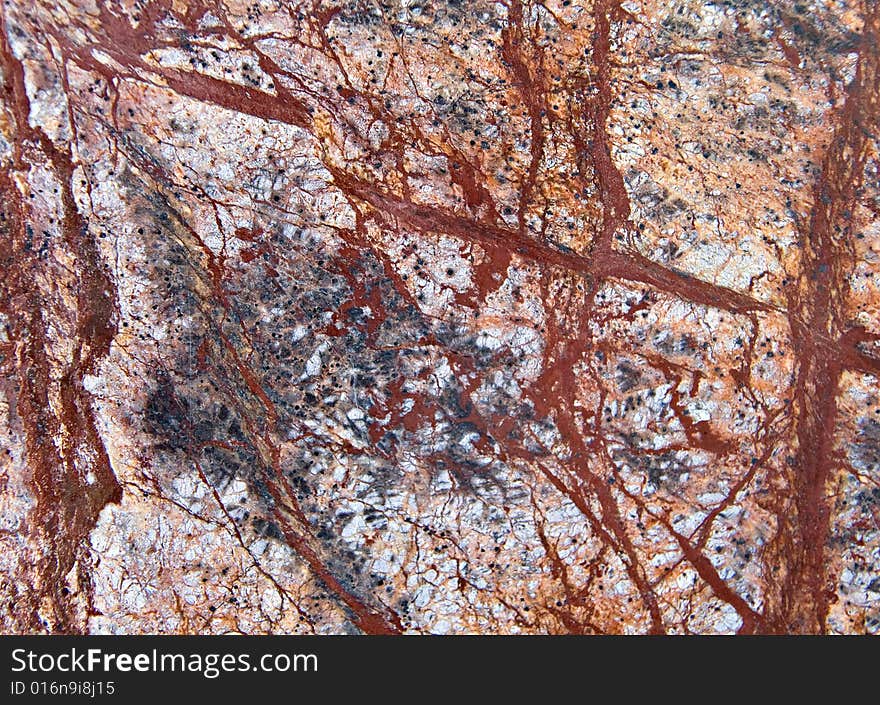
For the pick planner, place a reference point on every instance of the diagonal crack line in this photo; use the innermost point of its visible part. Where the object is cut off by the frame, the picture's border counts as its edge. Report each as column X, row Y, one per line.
column 627, row 266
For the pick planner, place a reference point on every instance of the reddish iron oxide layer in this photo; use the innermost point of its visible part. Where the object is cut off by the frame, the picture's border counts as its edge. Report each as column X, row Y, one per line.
column 393, row 318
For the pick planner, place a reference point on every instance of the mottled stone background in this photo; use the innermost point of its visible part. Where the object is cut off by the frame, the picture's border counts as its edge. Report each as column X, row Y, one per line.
column 439, row 317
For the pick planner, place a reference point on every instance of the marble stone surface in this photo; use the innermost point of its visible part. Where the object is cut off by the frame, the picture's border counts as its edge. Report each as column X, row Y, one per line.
column 396, row 316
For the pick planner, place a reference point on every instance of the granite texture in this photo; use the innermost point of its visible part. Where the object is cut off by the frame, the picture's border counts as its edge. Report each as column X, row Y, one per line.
column 392, row 316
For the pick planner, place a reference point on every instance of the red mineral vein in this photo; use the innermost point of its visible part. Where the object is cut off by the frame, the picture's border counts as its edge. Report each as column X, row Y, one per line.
column 607, row 263
column 816, row 311
column 68, row 500
column 532, row 91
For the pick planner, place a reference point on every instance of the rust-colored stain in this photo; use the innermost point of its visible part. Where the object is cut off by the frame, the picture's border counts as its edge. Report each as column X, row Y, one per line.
column 408, row 317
